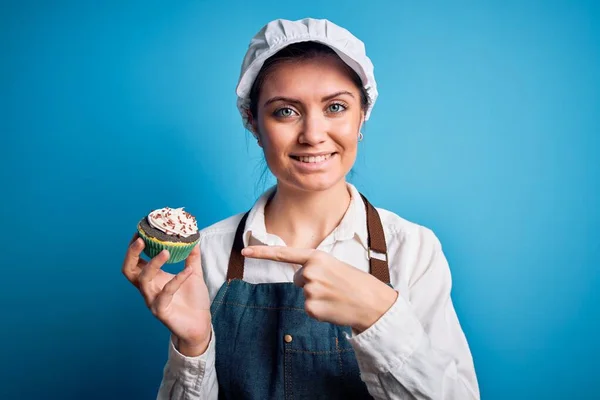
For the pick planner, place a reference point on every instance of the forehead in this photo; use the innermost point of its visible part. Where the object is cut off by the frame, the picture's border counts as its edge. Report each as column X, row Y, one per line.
column 317, row 77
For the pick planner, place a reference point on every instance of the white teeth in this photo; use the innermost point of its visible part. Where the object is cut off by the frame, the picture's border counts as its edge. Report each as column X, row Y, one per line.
column 313, row 159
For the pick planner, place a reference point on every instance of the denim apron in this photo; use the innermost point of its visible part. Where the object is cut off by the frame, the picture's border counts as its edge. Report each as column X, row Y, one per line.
column 267, row 347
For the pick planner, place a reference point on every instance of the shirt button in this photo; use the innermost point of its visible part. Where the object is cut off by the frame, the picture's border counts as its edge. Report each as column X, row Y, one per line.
column 288, row 338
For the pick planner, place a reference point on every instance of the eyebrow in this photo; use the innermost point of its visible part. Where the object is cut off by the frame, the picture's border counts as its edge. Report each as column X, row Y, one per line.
column 295, row 101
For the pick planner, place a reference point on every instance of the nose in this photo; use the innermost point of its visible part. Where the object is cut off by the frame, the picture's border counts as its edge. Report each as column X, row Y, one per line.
column 313, row 129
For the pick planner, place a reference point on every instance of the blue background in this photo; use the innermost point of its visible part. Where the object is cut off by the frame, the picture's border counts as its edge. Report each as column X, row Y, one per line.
column 486, row 130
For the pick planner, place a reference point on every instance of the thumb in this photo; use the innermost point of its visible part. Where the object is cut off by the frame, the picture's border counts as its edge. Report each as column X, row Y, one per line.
column 299, row 278
column 194, row 261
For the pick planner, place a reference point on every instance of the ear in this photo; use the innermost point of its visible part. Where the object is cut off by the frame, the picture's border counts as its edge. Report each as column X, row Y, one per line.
column 251, row 123
column 253, row 126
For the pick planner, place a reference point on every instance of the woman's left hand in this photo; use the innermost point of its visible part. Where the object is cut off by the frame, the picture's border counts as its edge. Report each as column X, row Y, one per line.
column 335, row 292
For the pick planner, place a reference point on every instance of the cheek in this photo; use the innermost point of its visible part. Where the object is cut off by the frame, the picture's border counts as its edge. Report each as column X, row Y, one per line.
column 348, row 126
column 347, row 135
column 274, row 145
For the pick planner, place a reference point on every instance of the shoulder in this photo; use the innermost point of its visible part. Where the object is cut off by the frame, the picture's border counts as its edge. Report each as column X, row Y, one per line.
column 221, row 233
column 216, row 241
column 224, row 227
column 400, row 229
column 413, row 250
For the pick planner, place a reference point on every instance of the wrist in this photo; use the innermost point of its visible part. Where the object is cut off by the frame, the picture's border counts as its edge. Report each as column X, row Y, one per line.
column 380, row 300
column 193, row 348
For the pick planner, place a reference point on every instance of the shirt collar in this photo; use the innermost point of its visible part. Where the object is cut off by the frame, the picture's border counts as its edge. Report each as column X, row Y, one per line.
column 352, row 225
column 255, row 224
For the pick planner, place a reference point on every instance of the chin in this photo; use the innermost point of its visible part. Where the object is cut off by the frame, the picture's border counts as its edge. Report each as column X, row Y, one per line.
column 315, row 183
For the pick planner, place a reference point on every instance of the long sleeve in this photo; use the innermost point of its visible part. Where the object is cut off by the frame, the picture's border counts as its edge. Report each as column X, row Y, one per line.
column 417, row 349
column 189, row 378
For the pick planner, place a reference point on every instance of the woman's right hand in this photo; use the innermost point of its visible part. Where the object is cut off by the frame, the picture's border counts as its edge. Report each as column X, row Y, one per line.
column 181, row 302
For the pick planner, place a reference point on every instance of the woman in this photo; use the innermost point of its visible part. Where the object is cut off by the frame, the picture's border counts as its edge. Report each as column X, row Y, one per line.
column 313, row 293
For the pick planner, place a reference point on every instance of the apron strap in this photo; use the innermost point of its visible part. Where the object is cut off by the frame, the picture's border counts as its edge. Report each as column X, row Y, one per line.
column 376, row 242
column 235, row 270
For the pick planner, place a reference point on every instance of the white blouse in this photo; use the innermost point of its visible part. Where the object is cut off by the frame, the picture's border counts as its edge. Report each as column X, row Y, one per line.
column 416, row 350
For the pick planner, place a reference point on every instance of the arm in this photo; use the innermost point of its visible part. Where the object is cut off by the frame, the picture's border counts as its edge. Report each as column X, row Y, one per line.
column 417, row 349
column 189, row 378
column 189, row 373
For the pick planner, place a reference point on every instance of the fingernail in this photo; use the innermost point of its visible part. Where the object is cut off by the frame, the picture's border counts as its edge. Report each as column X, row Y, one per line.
column 165, row 252
column 246, row 252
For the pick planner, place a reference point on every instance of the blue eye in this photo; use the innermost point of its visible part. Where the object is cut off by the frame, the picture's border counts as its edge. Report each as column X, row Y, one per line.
column 336, row 108
column 284, row 112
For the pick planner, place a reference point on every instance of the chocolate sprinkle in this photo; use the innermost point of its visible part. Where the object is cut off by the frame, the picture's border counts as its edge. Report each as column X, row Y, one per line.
column 160, row 235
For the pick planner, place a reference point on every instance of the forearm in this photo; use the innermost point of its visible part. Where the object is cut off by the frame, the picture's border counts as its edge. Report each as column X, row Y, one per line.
column 398, row 361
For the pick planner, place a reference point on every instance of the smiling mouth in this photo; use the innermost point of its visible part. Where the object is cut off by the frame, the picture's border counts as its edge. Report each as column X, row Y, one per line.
column 313, row 159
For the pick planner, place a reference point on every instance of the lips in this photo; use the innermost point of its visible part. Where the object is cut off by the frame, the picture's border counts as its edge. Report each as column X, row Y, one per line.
column 313, row 159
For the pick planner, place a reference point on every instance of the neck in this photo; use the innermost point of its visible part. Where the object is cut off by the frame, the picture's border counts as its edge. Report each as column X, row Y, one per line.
column 305, row 218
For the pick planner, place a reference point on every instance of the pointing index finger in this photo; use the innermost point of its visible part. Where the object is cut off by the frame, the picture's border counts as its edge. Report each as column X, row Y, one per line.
column 278, row 253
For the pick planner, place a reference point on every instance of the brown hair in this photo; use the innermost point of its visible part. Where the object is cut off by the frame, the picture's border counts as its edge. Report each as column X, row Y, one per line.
column 300, row 52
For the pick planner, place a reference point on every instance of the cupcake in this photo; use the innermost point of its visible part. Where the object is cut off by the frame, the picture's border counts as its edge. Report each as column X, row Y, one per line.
column 169, row 228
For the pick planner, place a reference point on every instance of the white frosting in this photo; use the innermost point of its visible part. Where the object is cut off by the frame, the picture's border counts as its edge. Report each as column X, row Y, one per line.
column 173, row 221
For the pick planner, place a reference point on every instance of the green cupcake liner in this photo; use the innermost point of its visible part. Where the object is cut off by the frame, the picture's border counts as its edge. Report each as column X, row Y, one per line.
column 177, row 253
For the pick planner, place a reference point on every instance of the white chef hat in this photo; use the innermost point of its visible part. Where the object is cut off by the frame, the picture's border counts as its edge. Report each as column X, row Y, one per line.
column 280, row 33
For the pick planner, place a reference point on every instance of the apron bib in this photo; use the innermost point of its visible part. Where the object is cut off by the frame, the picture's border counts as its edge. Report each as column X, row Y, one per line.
column 267, row 347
